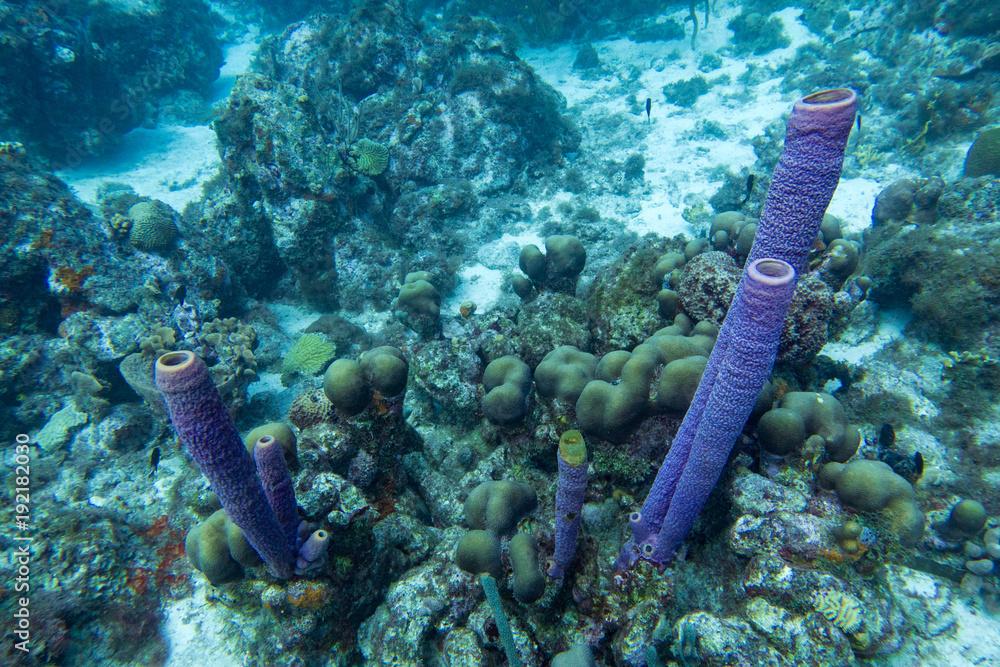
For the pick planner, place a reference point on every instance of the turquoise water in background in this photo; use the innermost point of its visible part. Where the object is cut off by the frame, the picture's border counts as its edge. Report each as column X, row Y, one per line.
column 356, row 333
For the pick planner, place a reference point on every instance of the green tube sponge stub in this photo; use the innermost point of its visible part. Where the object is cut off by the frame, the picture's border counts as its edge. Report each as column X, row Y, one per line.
column 478, row 552
column 528, row 582
column 573, row 448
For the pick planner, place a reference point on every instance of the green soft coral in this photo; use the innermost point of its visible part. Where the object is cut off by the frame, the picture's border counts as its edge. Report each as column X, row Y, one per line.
column 369, row 157
column 309, row 355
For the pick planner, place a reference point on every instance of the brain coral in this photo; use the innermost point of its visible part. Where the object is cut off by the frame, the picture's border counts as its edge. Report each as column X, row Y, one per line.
column 983, row 158
column 153, row 228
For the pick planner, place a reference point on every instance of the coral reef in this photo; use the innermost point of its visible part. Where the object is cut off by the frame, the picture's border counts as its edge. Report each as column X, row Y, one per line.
column 517, row 333
column 77, row 76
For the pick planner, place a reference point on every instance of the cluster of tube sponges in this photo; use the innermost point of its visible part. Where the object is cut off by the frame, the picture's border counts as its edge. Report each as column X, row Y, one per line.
column 255, row 491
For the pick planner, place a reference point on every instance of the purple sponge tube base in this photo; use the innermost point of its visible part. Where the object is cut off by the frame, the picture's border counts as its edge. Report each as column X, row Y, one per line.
column 207, row 431
column 801, row 188
column 571, row 490
column 277, row 483
column 768, row 285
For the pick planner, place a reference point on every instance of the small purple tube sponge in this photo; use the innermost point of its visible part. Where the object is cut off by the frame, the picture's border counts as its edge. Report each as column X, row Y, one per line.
column 801, row 188
column 204, row 426
column 313, row 552
column 570, row 491
column 277, row 483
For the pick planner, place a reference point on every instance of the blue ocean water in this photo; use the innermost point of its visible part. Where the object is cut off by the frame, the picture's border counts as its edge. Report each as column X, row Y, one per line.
column 356, row 332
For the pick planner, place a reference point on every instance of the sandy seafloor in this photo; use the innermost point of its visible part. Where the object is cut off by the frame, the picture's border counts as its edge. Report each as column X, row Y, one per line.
column 172, row 163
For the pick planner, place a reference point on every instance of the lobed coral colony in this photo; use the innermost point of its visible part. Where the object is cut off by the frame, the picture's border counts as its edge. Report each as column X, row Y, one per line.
column 446, row 332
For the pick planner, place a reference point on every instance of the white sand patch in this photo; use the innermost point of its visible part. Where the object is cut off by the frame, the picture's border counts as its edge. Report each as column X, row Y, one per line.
column 266, row 383
column 199, row 633
column 478, row 284
column 684, row 167
column 890, row 328
column 170, row 162
column 503, row 253
column 292, row 319
column 237, row 61
column 853, row 202
column 555, row 67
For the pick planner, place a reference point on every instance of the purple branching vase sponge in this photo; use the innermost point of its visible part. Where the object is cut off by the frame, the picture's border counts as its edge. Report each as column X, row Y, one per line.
column 570, row 491
column 207, row 431
column 801, row 188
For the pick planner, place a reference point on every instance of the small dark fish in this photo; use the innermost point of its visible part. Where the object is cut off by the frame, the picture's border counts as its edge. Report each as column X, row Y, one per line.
column 918, row 465
column 749, row 189
column 886, row 436
column 154, row 461
column 859, row 122
column 649, row 106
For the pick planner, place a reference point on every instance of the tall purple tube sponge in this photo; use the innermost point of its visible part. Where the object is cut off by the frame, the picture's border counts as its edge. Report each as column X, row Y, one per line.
column 759, row 317
column 806, row 176
column 273, row 473
column 801, row 188
column 570, row 492
column 204, row 426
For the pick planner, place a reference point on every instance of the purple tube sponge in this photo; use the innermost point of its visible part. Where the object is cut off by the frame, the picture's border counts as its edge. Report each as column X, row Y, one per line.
column 570, row 491
column 764, row 299
column 801, row 188
column 204, row 426
column 312, row 553
column 273, row 473
column 805, row 177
